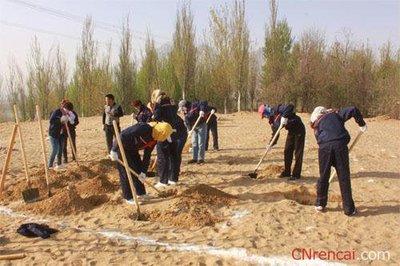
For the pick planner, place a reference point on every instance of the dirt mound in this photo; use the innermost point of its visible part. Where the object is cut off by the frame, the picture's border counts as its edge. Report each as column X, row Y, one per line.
column 97, row 185
column 304, row 196
column 207, row 194
column 66, row 202
column 379, row 118
column 271, row 170
column 196, row 206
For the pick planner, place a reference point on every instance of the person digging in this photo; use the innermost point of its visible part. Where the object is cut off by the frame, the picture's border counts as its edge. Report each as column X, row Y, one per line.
column 141, row 136
column 285, row 116
column 332, row 138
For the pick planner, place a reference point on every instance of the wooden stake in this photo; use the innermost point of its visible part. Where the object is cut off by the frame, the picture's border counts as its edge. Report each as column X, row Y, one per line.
column 39, row 119
column 125, row 161
column 8, row 157
column 22, row 146
column 16, row 256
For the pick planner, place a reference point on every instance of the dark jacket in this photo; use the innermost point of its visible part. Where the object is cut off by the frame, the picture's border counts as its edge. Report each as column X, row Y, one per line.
column 55, row 123
column 213, row 118
column 144, row 115
column 294, row 124
column 193, row 113
column 330, row 127
column 167, row 112
column 135, row 138
column 117, row 113
column 72, row 127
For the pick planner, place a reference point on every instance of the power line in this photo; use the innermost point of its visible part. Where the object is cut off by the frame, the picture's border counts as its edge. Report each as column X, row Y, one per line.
column 72, row 17
column 20, row 26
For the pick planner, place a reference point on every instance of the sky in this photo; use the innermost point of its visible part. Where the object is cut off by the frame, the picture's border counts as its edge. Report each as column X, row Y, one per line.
column 372, row 22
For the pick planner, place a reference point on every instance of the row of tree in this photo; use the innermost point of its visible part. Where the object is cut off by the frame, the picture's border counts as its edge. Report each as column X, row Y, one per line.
column 224, row 69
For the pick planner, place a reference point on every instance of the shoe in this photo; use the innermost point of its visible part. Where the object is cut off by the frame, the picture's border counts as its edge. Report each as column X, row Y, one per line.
column 353, row 213
column 319, row 208
column 216, row 149
column 200, row 161
column 192, row 161
column 172, row 183
column 160, row 185
column 130, row 202
column 293, row 178
column 143, row 198
column 284, row 174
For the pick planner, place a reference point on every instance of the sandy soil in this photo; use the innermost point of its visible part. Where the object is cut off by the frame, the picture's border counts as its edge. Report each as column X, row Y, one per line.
column 216, row 216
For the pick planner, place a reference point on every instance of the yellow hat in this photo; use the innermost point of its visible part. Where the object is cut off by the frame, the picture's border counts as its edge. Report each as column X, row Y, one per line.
column 161, row 131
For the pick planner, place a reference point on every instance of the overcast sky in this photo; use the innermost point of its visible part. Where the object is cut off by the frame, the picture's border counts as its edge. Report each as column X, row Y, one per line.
column 374, row 22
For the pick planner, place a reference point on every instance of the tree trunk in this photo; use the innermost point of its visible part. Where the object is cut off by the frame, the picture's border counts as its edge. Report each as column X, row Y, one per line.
column 239, row 101
column 225, row 107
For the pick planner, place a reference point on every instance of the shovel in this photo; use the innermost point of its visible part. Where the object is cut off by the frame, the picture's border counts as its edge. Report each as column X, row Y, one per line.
column 190, row 133
column 254, row 173
column 125, row 162
column 160, row 193
column 351, row 147
column 46, row 173
column 30, row 194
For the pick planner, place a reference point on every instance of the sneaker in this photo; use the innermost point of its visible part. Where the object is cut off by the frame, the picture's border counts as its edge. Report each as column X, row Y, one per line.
column 216, row 149
column 130, row 202
column 284, row 174
column 192, row 161
column 200, row 161
column 172, row 183
column 293, row 178
column 160, row 185
column 143, row 198
column 319, row 208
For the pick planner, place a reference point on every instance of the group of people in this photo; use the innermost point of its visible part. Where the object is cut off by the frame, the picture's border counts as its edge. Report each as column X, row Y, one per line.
column 159, row 126
column 332, row 138
column 166, row 126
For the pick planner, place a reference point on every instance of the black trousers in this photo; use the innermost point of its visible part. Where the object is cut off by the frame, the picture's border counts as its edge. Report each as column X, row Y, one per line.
column 134, row 160
column 213, row 127
column 109, row 131
column 335, row 154
column 294, row 145
column 168, row 161
column 63, row 151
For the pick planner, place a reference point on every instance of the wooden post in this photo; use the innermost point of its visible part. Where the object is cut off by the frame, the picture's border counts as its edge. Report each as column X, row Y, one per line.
column 72, row 144
column 39, row 119
column 8, row 157
column 22, row 146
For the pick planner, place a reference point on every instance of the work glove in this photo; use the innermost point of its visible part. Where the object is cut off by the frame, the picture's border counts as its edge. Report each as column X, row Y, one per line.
column 107, row 108
column 201, row 114
column 64, row 119
column 142, row 177
column 363, row 128
column 71, row 117
column 113, row 156
column 284, row 121
column 212, row 111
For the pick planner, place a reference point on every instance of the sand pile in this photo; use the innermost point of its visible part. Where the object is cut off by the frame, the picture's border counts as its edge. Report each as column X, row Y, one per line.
column 271, row 170
column 195, row 207
column 97, row 185
column 304, row 196
column 66, row 202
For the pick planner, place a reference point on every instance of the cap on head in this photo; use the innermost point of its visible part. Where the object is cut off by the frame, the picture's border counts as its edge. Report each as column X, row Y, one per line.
column 265, row 110
column 318, row 111
column 161, row 131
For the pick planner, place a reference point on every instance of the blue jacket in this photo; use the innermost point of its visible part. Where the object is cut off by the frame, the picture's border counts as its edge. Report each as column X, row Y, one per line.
column 135, row 138
column 330, row 127
column 193, row 113
column 144, row 114
column 167, row 112
column 294, row 125
column 55, row 123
